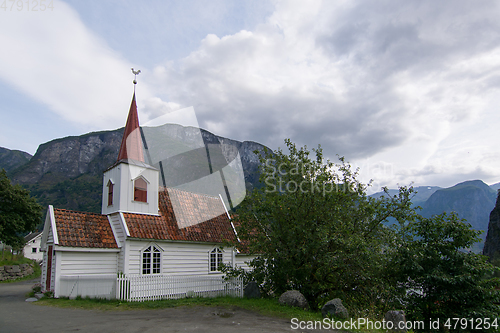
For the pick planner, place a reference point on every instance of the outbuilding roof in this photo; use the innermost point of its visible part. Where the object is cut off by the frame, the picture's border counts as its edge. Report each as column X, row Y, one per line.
column 83, row 229
column 32, row 235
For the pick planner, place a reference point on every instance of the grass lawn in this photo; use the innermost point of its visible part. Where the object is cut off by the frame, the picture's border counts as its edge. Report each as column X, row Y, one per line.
column 265, row 306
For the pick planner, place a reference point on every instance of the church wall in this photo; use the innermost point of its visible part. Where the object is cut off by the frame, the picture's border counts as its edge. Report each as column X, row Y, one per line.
column 178, row 258
column 123, row 176
column 151, row 177
column 242, row 260
column 114, row 175
column 79, row 263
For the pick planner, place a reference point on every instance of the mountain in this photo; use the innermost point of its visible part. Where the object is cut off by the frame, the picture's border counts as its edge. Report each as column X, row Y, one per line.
column 472, row 200
column 67, row 172
column 12, row 159
column 492, row 242
column 495, row 187
column 422, row 193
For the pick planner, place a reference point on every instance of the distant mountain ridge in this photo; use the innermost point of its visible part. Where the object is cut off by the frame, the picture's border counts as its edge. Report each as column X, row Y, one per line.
column 422, row 193
column 67, row 172
column 13, row 159
column 472, row 200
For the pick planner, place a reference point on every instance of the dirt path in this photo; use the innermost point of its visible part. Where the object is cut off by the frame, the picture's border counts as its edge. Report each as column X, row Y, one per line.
column 16, row 315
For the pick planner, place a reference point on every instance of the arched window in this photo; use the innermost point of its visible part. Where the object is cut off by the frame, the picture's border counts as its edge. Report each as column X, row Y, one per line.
column 151, row 260
column 140, row 190
column 110, row 193
column 215, row 259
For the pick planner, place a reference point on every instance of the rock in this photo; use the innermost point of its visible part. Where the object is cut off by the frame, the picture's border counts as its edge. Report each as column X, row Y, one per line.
column 334, row 308
column 397, row 318
column 251, row 290
column 12, row 269
column 293, row 298
column 12, row 159
column 492, row 243
column 38, row 295
column 81, row 160
column 32, row 299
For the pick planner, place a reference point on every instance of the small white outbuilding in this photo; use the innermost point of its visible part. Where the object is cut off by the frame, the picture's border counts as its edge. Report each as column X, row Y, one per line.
column 32, row 244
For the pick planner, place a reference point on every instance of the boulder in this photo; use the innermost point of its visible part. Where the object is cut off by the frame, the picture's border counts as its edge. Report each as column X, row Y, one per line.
column 334, row 308
column 14, row 269
column 251, row 290
column 293, row 298
column 398, row 320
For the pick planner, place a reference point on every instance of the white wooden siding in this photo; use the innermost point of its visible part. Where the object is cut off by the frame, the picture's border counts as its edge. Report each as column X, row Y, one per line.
column 113, row 175
column 43, row 276
column 50, row 239
column 177, row 258
column 122, row 176
column 242, row 260
column 80, row 263
column 28, row 249
column 117, row 227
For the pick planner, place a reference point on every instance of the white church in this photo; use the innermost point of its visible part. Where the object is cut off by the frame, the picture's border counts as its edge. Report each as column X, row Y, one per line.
column 139, row 247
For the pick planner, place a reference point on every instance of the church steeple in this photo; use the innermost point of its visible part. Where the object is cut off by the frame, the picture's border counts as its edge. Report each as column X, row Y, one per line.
column 130, row 185
column 131, row 146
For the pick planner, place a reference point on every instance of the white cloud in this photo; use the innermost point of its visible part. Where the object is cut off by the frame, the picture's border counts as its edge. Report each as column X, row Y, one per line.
column 52, row 57
column 412, row 85
column 390, row 81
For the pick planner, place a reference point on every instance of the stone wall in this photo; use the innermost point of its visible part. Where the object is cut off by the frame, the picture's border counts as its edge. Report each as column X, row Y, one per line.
column 15, row 271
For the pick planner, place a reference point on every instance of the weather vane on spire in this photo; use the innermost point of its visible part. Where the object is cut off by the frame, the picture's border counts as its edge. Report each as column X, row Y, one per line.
column 135, row 75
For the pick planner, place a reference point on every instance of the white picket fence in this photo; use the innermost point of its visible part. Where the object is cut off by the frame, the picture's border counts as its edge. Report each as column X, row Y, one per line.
column 153, row 287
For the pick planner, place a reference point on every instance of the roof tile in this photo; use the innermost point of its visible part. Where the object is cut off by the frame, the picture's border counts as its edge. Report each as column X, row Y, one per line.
column 196, row 218
column 83, row 229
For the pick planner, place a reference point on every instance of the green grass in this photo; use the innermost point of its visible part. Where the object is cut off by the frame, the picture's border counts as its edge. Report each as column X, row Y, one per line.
column 18, row 260
column 269, row 307
column 264, row 306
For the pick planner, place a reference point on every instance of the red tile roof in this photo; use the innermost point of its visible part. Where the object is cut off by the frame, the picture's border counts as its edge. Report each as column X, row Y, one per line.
column 184, row 216
column 197, row 218
column 81, row 229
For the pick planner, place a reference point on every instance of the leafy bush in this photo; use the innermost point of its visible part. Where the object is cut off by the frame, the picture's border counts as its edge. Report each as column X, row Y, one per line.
column 446, row 281
column 37, row 288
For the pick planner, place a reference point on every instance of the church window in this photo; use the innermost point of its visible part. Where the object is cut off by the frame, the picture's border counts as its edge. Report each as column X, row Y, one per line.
column 151, row 260
column 215, row 259
column 110, row 193
column 140, row 190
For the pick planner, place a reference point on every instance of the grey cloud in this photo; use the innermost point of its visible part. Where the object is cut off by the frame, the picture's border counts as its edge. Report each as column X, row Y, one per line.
column 375, row 40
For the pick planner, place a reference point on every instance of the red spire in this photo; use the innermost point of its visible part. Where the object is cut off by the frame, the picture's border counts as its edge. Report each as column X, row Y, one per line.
column 131, row 146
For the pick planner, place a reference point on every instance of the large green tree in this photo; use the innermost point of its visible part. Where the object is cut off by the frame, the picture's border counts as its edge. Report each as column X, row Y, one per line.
column 443, row 279
column 316, row 230
column 19, row 213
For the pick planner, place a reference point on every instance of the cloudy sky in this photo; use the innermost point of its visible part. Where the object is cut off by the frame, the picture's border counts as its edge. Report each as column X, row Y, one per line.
column 406, row 90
